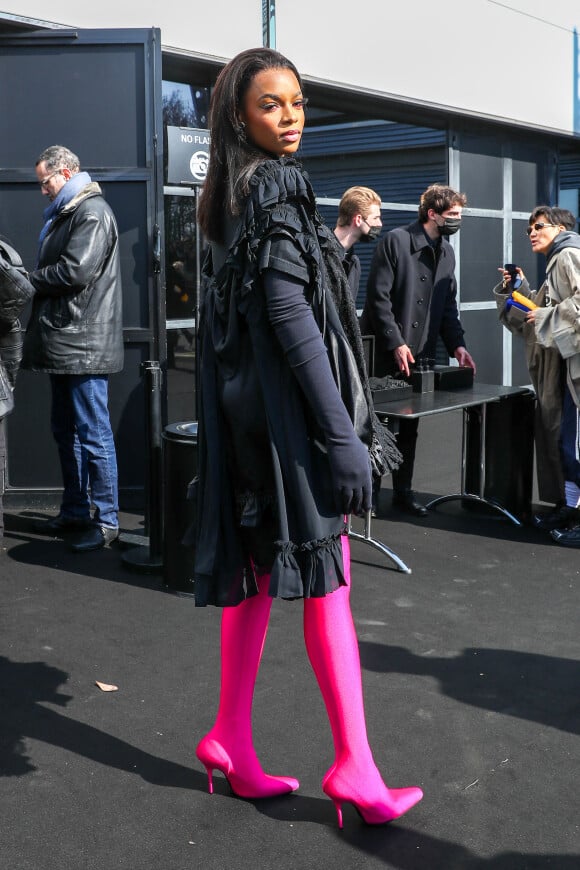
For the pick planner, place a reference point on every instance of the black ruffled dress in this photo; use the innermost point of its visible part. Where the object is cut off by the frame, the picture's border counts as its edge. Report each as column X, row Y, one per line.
column 264, row 496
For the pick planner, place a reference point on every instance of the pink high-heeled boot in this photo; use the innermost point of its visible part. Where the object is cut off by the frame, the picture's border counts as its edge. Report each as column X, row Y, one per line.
column 332, row 648
column 229, row 746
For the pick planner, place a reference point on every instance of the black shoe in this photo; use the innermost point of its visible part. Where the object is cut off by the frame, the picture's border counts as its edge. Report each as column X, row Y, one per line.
column 94, row 539
column 405, row 501
column 60, row 525
column 558, row 518
column 567, row 537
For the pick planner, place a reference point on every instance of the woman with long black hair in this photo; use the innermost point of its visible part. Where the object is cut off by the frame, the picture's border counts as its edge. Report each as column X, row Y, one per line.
column 287, row 436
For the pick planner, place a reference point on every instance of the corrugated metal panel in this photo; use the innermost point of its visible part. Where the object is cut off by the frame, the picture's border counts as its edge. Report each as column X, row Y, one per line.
column 395, row 183
column 395, row 177
column 569, row 169
column 368, row 136
column 399, row 161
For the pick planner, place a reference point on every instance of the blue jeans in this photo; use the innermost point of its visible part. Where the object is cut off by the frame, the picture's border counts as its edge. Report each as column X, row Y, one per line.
column 82, row 430
column 570, row 439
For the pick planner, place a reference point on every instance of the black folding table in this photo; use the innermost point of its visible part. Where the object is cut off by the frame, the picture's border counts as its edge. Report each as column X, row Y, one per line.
column 470, row 400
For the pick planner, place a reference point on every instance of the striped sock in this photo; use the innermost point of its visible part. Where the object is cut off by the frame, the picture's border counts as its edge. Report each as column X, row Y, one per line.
column 572, row 494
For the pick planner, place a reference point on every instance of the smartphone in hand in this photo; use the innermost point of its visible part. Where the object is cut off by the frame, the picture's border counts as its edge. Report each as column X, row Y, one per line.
column 515, row 278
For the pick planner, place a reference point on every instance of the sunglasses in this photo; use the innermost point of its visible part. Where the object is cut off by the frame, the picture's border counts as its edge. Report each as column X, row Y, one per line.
column 537, row 227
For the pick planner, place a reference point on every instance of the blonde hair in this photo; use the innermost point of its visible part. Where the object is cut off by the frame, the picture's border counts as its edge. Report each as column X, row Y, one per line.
column 356, row 200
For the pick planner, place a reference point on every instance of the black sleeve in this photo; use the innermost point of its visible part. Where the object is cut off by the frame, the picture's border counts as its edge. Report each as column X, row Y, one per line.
column 280, row 252
column 298, row 333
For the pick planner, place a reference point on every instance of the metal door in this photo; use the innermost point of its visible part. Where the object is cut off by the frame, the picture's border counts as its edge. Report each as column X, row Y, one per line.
column 99, row 93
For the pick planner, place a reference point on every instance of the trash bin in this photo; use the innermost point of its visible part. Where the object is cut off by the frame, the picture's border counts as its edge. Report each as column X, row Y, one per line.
column 179, row 468
column 509, row 453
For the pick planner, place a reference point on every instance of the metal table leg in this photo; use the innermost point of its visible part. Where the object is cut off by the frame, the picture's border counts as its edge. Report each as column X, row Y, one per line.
column 470, row 496
column 378, row 545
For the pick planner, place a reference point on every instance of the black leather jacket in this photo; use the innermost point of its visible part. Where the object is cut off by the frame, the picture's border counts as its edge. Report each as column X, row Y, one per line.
column 11, row 338
column 15, row 292
column 76, row 322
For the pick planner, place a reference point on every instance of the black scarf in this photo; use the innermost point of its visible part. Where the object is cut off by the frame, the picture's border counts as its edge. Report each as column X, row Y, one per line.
column 384, row 453
column 567, row 239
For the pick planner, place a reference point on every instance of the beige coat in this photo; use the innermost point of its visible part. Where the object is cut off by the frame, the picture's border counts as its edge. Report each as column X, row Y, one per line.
column 558, row 325
column 545, row 368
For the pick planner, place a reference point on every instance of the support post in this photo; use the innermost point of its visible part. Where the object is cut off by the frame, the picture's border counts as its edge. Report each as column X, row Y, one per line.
column 150, row 559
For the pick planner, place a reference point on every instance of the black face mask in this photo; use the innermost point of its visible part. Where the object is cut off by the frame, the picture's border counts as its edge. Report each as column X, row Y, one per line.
column 449, row 226
column 372, row 235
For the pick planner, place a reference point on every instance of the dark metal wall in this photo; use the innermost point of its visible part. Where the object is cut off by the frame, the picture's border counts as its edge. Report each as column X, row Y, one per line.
column 503, row 176
column 397, row 160
column 98, row 93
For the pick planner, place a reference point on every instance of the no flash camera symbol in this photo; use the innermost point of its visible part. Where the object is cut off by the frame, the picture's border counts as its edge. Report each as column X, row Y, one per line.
column 198, row 165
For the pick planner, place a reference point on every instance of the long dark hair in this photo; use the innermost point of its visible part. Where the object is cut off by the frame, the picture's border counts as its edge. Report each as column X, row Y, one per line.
column 232, row 158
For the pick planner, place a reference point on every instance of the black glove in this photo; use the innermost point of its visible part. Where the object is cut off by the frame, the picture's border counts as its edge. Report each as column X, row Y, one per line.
column 298, row 333
column 351, row 473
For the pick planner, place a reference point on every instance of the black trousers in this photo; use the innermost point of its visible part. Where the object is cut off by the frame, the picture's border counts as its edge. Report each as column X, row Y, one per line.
column 407, row 443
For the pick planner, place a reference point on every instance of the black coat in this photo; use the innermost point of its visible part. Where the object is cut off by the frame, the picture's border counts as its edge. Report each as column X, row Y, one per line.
column 408, row 301
column 76, row 323
column 263, row 472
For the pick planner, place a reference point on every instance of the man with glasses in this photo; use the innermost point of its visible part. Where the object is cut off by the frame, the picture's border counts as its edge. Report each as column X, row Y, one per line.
column 75, row 335
column 412, row 302
column 359, row 220
column 545, row 370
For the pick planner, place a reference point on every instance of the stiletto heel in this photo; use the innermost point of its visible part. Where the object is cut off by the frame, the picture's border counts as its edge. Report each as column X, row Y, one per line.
column 229, row 747
column 338, row 808
column 392, row 803
column 333, row 651
column 252, row 783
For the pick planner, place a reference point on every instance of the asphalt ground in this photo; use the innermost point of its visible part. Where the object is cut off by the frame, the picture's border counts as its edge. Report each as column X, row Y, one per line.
column 471, row 670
